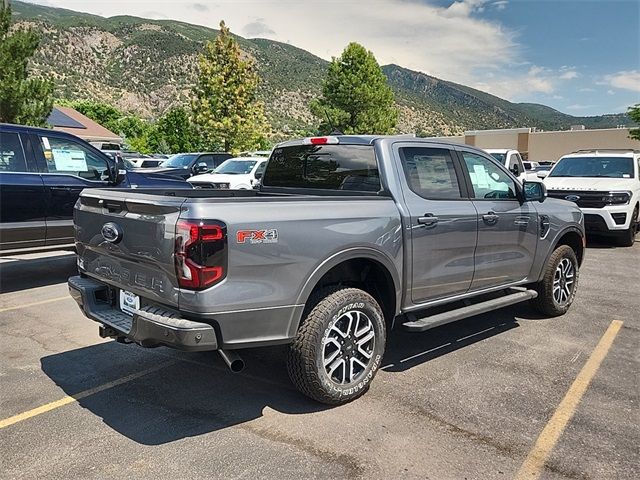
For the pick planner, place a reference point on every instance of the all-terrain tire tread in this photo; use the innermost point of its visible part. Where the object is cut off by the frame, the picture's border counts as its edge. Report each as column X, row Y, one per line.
column 303, row 351
column 544, row 302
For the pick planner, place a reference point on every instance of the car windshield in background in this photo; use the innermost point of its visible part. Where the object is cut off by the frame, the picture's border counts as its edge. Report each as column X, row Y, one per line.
column 236, row 167
column 179, row 161
column 499, row 156
column 608, row 167
column 332, row 167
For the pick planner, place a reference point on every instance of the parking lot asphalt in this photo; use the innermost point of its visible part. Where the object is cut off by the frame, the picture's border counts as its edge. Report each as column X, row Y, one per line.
column 465, row 401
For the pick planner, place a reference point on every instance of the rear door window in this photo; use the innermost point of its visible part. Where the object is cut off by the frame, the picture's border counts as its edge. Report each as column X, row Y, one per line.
column 12, row 157
column 430, row 172
column 326, row 167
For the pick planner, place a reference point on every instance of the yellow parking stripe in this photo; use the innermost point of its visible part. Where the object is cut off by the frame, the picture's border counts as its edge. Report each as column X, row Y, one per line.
column 78, row 396
column 534, row 463
column 27, row 305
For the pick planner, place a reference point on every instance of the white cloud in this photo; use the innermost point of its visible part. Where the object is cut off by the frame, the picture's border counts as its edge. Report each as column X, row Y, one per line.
column 500, row 4
column 578, row 106
column 569, row 75
column 520, row 86
column 586, row 89
column 452, row 43
column 610, row 92
column 625, row 80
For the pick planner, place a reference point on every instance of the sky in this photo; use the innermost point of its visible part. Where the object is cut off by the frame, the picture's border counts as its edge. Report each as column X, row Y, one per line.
column 579, row 57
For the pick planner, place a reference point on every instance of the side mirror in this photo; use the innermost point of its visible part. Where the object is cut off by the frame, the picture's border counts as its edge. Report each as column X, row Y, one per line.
column 542, row 173
column 515, row 170
column 119, row 171
column 258, row 175
column 200, row 168
column 534, row 191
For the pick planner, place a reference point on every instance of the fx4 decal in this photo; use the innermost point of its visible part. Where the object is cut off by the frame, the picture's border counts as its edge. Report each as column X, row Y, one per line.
column 257, row 236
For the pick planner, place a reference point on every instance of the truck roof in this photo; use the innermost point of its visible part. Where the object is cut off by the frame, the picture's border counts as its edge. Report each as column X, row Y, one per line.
column 604, row 152
column 370, row 140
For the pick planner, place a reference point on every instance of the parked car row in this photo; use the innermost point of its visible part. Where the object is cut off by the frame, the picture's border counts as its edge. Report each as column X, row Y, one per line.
column 42, row 173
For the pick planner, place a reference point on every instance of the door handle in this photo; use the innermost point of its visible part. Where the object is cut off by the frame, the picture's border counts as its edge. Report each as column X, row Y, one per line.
column 429, row 219
column 490, row 218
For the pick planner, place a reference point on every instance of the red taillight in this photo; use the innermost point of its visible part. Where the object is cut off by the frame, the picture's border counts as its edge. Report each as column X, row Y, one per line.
column 200, row 254
column 319, row 141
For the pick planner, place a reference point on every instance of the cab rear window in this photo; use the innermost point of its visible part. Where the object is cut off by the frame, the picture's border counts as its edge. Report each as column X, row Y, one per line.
column 326, row 167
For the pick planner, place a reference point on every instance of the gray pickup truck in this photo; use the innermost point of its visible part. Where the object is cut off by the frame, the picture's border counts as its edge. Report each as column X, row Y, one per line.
column 348, row 237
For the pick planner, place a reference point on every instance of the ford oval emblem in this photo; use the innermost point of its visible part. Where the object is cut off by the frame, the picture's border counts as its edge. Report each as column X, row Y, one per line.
column 572, row 198
column 111, row 232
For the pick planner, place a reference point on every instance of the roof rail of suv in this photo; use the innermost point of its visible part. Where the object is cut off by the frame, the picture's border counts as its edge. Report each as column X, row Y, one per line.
column 590, row 150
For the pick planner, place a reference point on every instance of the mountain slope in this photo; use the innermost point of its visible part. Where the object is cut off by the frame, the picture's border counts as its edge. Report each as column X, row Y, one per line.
column 146, row 66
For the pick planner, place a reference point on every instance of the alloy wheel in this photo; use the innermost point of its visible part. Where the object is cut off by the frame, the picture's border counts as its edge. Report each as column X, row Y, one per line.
column 347, row 347
column 563, row 281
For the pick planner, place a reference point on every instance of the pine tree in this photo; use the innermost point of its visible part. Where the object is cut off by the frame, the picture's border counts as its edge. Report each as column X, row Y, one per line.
column 22, row 99
column 634, row 114
column 356, row 98
column 225, row 107
column 177, row 131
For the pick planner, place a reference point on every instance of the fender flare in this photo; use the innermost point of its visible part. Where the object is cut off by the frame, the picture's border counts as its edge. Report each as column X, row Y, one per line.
column 350, row 254
column 556, row 239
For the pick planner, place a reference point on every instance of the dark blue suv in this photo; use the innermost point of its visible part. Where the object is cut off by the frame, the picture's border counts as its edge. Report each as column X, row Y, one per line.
column 42, row 173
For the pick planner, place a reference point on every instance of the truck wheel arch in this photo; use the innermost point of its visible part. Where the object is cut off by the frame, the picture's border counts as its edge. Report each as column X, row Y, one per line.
column 378, row 276
column 572, row 237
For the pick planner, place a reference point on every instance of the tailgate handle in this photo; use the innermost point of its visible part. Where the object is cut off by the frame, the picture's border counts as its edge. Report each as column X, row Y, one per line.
column 113, row 207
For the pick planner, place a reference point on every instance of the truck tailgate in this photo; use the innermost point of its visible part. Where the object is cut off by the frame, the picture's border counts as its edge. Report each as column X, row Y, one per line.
column 127, row 239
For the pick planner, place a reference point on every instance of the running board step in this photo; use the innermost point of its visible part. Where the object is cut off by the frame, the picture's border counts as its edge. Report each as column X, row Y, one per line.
column 432, row 321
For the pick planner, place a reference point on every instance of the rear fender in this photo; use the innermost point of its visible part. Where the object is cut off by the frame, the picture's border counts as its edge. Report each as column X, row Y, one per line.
column 337, row 259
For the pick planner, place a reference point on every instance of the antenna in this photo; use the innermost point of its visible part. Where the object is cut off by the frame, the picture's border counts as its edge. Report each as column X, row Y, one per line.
column 334, row 130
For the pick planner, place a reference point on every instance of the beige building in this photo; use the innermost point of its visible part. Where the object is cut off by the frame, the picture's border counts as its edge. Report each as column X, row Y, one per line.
column 539, row 146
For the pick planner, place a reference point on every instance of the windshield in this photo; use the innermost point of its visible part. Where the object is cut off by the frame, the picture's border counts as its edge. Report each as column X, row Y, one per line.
column 180, row 160
column 236, row 167
column 608, row 167
column 499, row 156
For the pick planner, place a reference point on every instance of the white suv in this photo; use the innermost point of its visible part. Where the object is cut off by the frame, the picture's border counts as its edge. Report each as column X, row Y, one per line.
column 241, row 173
column 605, row 184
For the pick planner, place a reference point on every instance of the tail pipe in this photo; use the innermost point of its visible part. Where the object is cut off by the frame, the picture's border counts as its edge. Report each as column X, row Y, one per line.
column 232, row 359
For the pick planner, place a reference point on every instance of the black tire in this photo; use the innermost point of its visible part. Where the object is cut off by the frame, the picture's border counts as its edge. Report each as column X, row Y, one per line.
column 329, row 311
column 546, row 302
column 628, row 237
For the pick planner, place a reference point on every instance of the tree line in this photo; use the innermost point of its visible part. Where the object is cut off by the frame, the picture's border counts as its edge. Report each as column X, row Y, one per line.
column 224, row 113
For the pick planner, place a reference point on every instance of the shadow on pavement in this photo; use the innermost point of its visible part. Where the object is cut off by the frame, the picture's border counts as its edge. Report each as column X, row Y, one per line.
column 406, row 350
column 24, row 273
column 193, row 395
column 197, row 394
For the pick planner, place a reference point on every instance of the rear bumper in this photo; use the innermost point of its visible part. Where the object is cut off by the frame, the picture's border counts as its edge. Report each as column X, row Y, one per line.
column 148, row 328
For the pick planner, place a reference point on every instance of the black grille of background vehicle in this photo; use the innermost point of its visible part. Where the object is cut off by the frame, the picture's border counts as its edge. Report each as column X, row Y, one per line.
column 212, row 186
column 587, row 199
column 595, row 223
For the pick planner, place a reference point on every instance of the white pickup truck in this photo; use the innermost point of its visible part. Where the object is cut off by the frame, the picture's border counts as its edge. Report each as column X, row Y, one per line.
column 605, row 184
column 510, row 159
